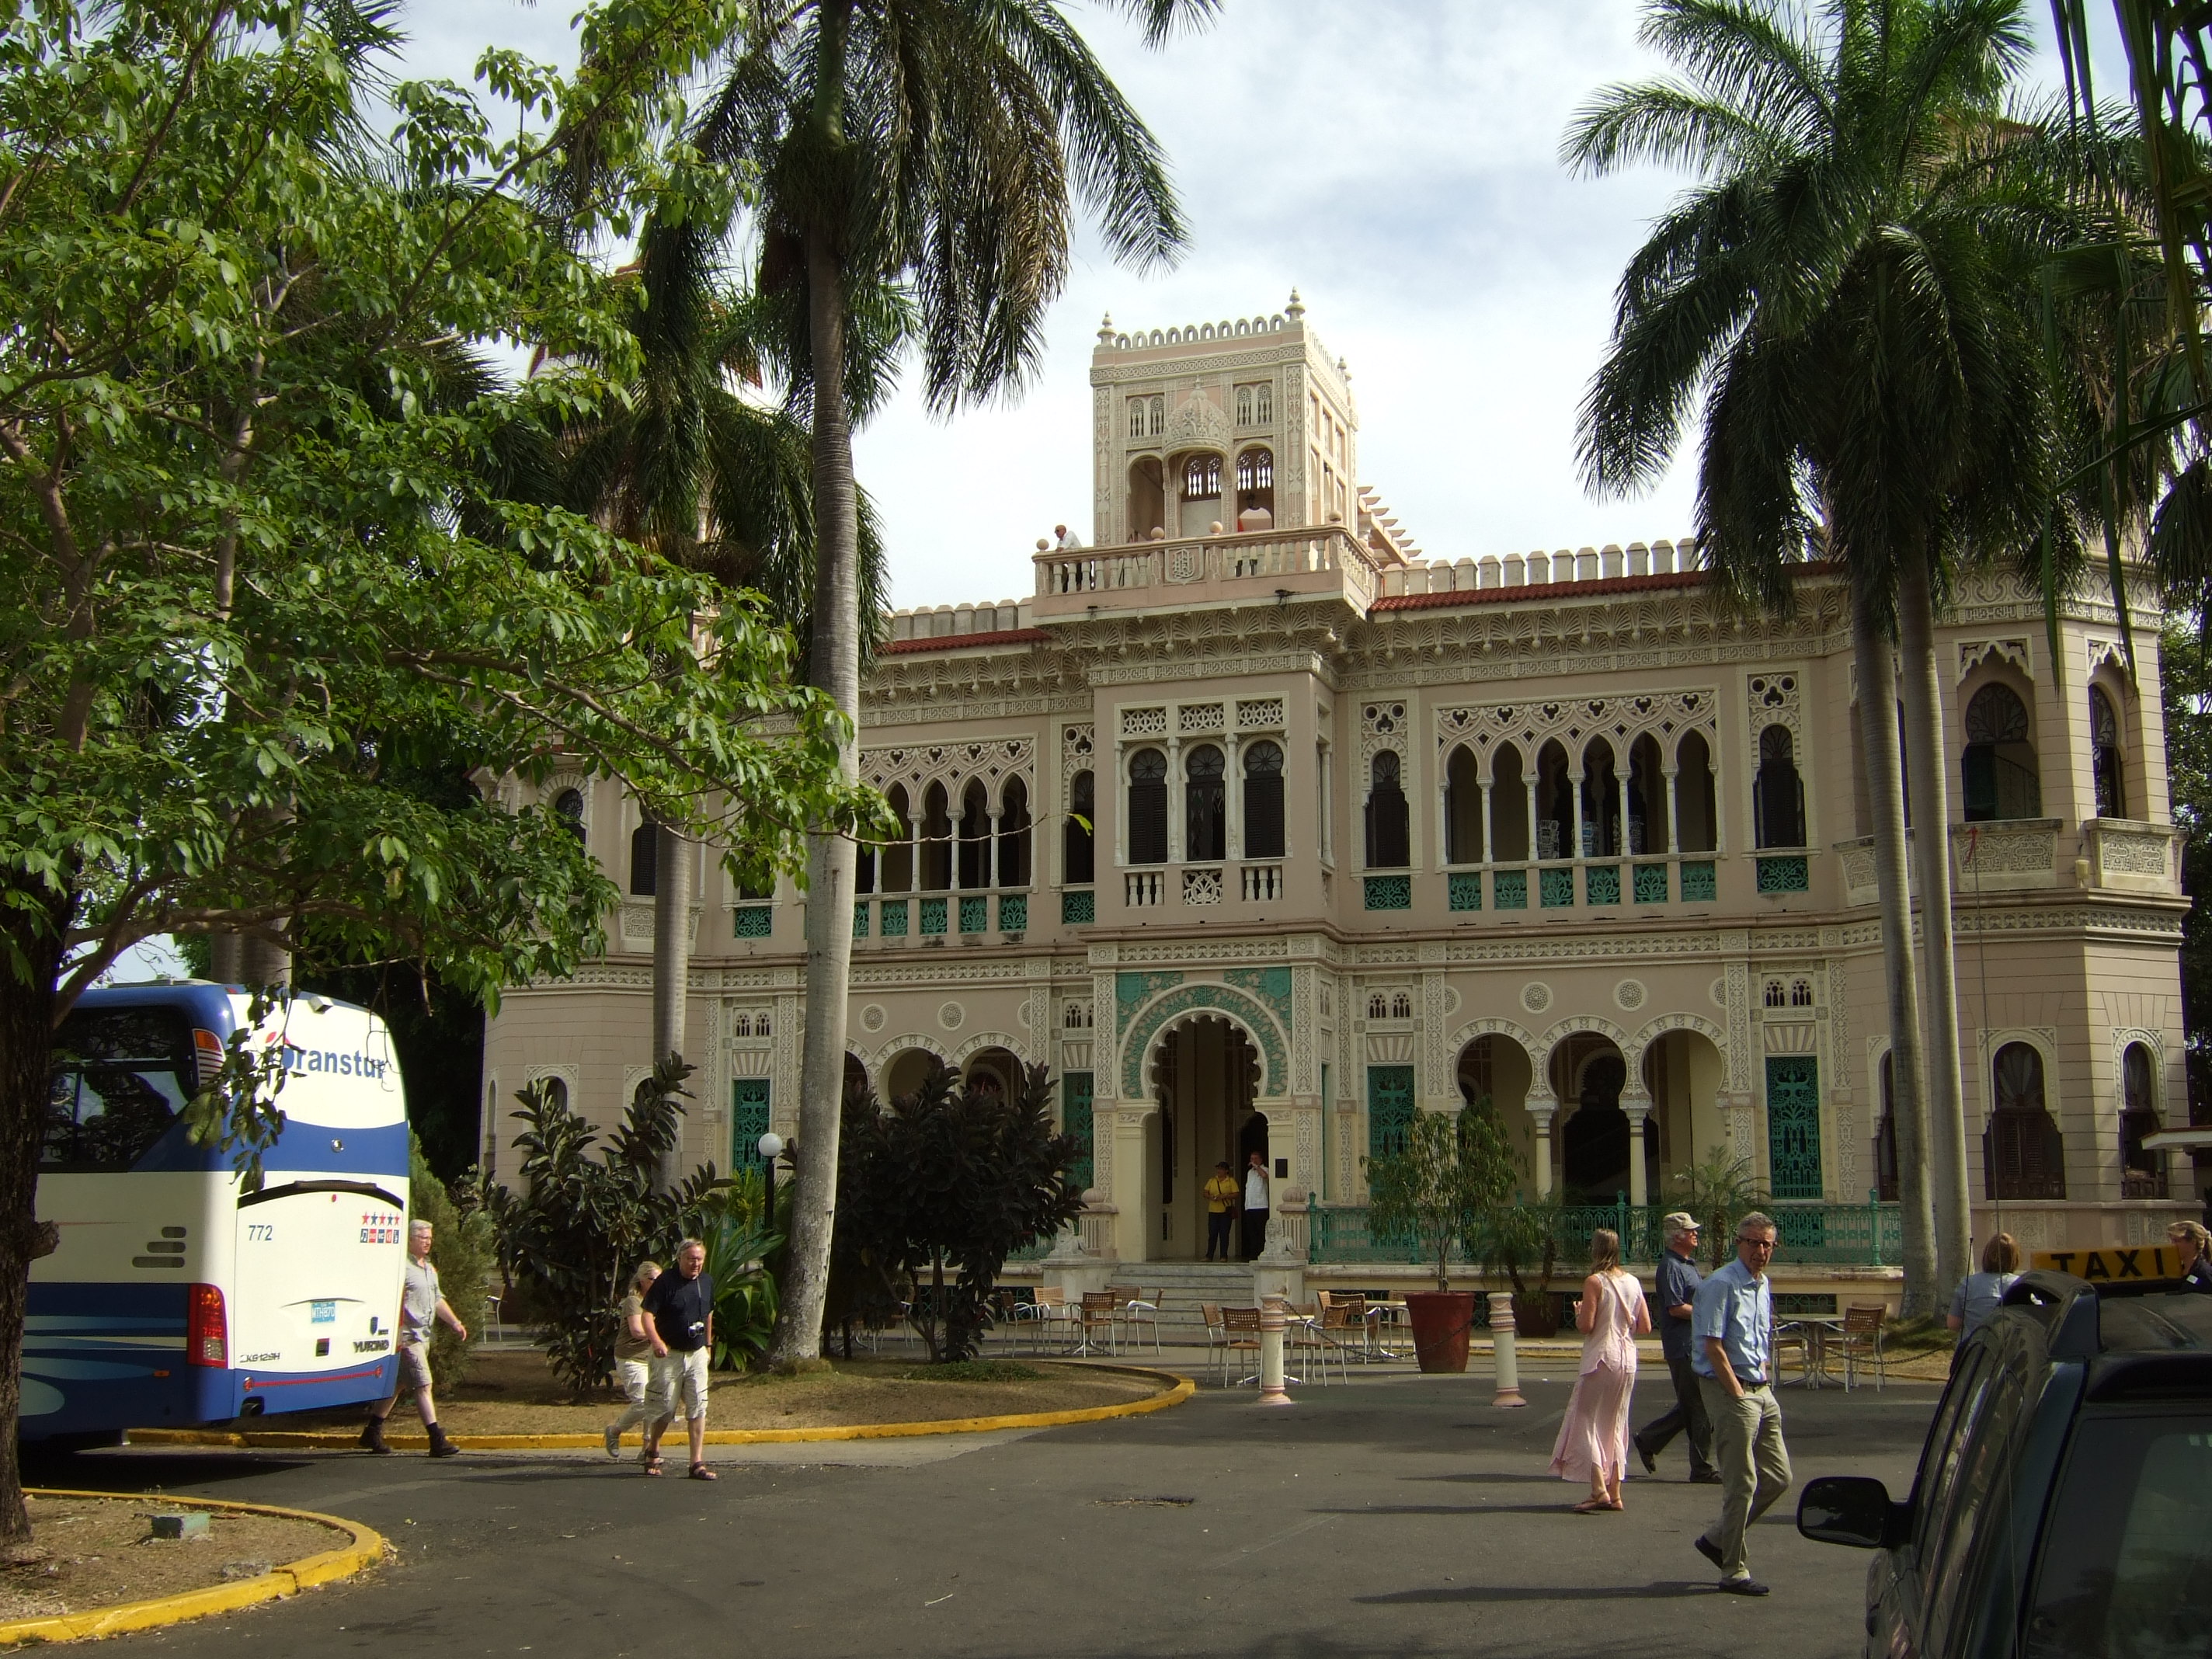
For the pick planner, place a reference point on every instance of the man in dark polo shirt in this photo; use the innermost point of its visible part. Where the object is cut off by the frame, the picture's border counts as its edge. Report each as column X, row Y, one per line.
column 681, row 1309
column 1676, row 1289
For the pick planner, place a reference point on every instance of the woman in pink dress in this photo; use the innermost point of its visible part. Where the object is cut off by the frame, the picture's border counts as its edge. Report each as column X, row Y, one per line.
column 1592, row 1441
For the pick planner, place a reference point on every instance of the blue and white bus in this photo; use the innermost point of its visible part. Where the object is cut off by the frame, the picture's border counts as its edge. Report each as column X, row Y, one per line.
column 176, row 1298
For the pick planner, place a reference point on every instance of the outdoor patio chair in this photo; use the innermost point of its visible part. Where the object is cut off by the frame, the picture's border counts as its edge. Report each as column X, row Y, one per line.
column 1096, row 1317
column 1240, row 1334
column 1140, row 1307
column 1211, row 1313
column 1790, row 1334
column 1862, row 1342
column 1048, row 1307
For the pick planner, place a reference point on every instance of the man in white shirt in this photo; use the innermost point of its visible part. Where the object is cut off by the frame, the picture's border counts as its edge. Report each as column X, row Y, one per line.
column 1255, row 1208
column 422, row 1303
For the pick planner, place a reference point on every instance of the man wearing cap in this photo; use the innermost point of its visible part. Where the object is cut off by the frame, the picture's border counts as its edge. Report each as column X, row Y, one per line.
column 1676, row 1293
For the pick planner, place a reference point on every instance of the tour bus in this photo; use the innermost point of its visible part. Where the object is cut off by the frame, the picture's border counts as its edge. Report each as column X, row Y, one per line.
column 177, row 1298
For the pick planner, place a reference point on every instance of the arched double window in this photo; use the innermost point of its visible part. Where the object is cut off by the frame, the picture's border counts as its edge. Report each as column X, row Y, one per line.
column 1205, row 804
column 1999, row 765
column 1389, row 838
column 2023, row 1155
column 1777, row 794
column 2109, row 759
column 1148, row 807
column 2142, row 1171
column 1202, row 477
column 1078, row 840
column 1014, row 834
column 1255, row 487
column 1263, row 800
column 974, row 835
column 644, row 852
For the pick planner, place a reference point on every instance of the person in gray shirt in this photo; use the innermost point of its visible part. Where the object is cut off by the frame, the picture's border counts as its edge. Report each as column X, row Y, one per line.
column 421, row 1305
column 1675, row 1289
column 1979, row 1295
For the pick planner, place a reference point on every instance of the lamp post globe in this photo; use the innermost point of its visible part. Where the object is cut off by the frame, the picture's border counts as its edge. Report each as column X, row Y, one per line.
column 771, row 1148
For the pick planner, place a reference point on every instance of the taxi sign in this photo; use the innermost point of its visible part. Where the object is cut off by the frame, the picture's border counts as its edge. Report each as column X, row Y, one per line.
column 2112, row 1262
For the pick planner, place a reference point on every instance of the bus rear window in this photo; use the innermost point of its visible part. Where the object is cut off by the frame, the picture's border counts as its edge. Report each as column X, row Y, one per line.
column 120, row 1078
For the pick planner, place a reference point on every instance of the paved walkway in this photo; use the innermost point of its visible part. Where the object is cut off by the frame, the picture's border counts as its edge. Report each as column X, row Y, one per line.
column 1399, row 1515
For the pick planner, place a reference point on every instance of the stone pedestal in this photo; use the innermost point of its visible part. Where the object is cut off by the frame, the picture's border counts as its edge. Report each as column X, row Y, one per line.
column 1280, row 1270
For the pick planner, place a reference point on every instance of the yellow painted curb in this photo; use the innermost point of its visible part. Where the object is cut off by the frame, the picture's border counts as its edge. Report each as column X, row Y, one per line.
column 1179, row 1389
column 365, row 1550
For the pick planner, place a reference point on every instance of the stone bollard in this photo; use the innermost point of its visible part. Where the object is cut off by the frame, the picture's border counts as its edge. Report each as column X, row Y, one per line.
column 1271, row 1322
column 1506, row 1360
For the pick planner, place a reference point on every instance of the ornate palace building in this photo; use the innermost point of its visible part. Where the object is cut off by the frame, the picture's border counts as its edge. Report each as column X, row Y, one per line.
column 1262, row 831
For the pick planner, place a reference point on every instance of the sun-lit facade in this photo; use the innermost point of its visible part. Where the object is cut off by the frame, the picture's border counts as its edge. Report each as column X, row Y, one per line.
column 1261, row 830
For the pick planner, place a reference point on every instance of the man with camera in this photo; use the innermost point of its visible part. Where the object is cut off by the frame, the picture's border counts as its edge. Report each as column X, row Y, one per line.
column 681, row 1306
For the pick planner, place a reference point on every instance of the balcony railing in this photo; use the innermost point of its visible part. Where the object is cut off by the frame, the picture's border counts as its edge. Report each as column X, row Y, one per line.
column 938, row 915
column 1842, row 1235
column 1602, row 883
column 1320, row 558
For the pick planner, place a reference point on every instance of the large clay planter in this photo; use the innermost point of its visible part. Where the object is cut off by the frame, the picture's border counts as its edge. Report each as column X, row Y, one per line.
column 1441, row 1321
column 1536, row 1315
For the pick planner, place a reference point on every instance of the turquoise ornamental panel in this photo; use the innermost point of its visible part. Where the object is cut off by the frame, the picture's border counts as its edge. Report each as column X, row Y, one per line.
column 933, row 915
column 1650, row 883
column 1271, row 985
column 1465, row 889
column 1013, row 912
column 1137, row 1037
column 894, row 918
column 1075, row 1122
column 1509, row 889
column 1793, row 1126
column 1078, row 907
column 1389, row 892
column 1785, row 875
column 1558, row 887
column 1389, row 1109
column 1601, row 883
column 860, row 918
column 1133, row 990
column 755, row 921
column 748, row 1121
column 1700, row 885
column 974, row 914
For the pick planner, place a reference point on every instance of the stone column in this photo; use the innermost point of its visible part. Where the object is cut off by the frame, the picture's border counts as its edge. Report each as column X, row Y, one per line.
column 1177, row 851
column 1232, row 798
column 1488, row 784
column 1127, row 1136
column 990, row 870
column 1639, row 1187
column 1542, row 1108
column 1620, row 786
column 1673, row 825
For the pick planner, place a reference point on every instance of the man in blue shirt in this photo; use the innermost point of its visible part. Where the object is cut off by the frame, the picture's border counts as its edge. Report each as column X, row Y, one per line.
column 1674, row 1289
column 1733, row 1321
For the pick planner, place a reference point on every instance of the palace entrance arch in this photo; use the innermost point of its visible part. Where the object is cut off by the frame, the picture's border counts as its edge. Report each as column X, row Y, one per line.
column 1204, row 1081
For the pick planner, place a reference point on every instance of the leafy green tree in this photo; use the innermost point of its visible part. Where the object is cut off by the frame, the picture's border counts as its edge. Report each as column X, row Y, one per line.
column 940, row 144
column 951, row 1177
column 1853, row 299
column 1718, row 1192
column 1451, row 1171
column 255, row 564
column 464, row 1251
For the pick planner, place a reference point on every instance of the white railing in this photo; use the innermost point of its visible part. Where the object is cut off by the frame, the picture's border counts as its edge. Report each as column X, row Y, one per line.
column 1143, row 890
column 1248, row 555
column 1201, row 886
column 1261, row 881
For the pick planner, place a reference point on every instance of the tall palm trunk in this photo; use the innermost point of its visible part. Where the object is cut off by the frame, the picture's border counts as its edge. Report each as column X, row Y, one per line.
column 672, row 960
column 1931, row 840
column 835, row 668
column 1886, row 801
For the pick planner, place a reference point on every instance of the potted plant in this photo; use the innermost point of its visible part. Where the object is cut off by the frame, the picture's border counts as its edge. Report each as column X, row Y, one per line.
column 1447, row 1171
column 1718, row 1192
column 1515, row 1238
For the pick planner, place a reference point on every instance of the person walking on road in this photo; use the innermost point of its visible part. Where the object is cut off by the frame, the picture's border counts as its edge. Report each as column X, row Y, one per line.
column 1979, row 1295
column 1593, row 1442
column 421, row 1305
column 682, row 1304
column 1220, row 1210
column 2193, row 1245
column 1733, row 1321
column 1255, row 1208
column 1676, row 1284
column 634, row 1360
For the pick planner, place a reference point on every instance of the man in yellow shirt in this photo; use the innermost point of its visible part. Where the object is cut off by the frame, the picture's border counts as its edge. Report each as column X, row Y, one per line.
column 1220, row 1206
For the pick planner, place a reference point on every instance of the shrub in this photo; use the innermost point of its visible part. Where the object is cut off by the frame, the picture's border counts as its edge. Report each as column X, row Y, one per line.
column 464, row 1251
column 1716, row 1192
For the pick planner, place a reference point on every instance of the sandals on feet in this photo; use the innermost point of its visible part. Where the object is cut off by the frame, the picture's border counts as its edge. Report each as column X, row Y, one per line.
column 700, row 1472
column 650, row 1465
column 1592, row 1506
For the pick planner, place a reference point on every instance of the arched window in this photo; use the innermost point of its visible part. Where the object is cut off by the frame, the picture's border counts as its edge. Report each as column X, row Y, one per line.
column 1647, row 797
column 974, row 835
column 1205, row 804
column 1999, row 765
column 1696, row 820
column 1462, row 809
column 1778, row 796
column 1137, row 417
column 1509, row 807
column 1389, row 839
column 644, row 846
column 1402, row 1006
column 1244, row 409
column 936, row 873
column 2023, row 1155
column 1202, row 477
column 1774, row 996
column 897, row 858
column 1148, row 807
column 2110, row 766
column 1014, row 834
column 1555, row 804
column 1800, row 993
column 2142, row 1171
column 1263, row 800
column 1147, row 498
column 1078, row 840
column 1600, row 802
column 569, row 803
column 1256, row 479
column 1885, row 1136
column 1378, row 1006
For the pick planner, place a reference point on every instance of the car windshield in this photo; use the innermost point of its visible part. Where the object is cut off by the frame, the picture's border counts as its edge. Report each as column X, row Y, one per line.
column 2126, row 1567
column 118, row 1082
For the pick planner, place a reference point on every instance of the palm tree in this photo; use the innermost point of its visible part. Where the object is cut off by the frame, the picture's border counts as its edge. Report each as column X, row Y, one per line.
column 1852, row 292
column 941, row 144
column 710, row 479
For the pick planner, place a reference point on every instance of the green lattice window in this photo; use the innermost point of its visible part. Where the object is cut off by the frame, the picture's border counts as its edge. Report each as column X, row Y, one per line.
column 1013, row 912
column 748, row 1121
column 1389, row 1109
column 1793, row 1126
column 975, row 913
column 1557, row 889
column 1700, row 885
column 1601, row 883
column 1650, row 883
column 1466, row 887
column 933, row 915
column 893, row 917
column 1078, row 907
column 860, row 918
column 1785, row 875
column 1509, row 889
column 755, row 921
column 1075, row 1121
column 1389, row 892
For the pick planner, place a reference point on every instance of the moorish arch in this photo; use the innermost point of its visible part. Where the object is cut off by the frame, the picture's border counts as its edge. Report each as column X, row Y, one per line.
column 899, row 1068
column 1140, row 1046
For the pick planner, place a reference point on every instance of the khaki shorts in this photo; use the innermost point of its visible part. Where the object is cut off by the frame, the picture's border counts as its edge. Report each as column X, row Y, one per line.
column 414, row 1352
column 680, row 1381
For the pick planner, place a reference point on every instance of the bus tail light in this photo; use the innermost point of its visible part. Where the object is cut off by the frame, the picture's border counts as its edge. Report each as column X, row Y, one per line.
column 208, row 1051
column 207, row 1341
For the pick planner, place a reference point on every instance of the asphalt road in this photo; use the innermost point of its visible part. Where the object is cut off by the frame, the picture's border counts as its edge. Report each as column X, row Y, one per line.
column 1396, row 1516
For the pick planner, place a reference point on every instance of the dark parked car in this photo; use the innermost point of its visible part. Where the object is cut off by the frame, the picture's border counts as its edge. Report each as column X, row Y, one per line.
column 2063, row 1508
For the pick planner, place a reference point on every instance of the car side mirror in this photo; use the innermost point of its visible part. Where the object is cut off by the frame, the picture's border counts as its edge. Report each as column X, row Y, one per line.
column 1851, row 1508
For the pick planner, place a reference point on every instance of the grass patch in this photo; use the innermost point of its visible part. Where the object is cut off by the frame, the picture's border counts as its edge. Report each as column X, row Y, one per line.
column 973, row 1370
column 1926, row 1334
